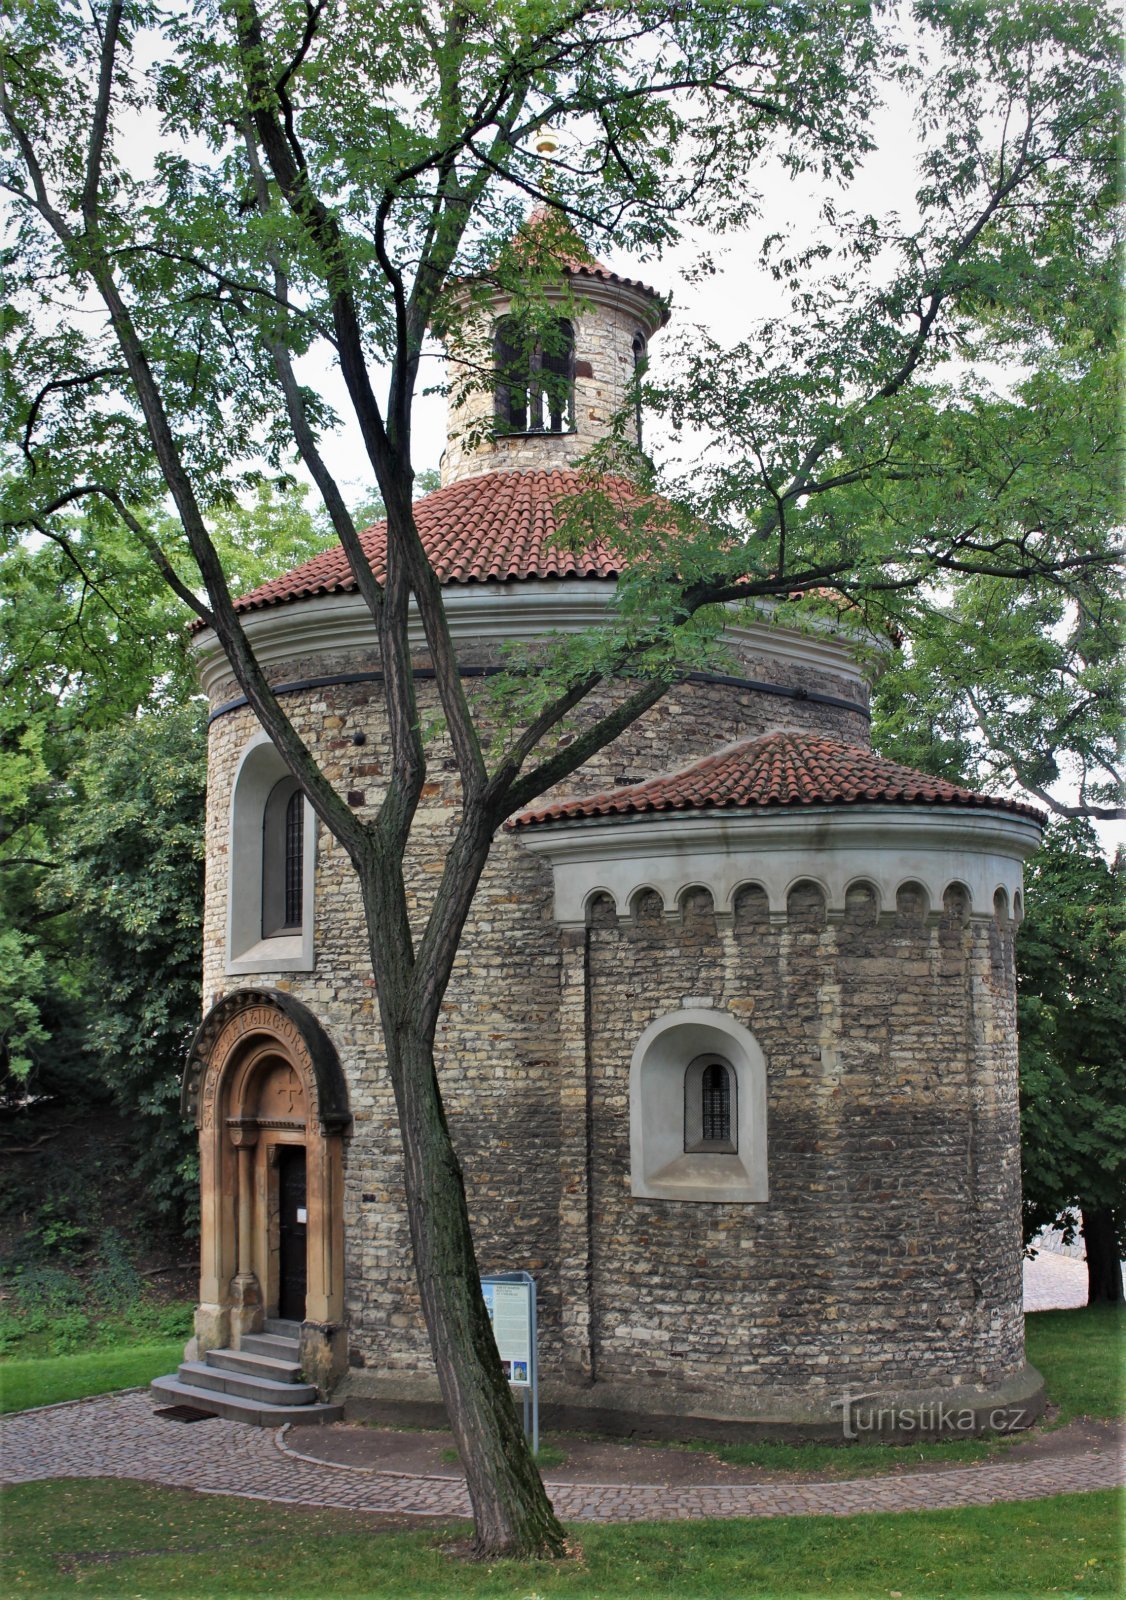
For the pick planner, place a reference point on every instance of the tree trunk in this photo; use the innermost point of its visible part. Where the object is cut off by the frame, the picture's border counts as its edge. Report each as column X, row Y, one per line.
column 1104, row 1264
column 511, row 1510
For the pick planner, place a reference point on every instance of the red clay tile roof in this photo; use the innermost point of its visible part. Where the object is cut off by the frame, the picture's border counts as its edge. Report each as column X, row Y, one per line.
column 595, row 269
column 581, row 263
column 498, row 527
column 776, row 769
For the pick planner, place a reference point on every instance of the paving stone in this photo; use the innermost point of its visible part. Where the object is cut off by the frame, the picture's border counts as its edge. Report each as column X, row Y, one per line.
column 120, row 1436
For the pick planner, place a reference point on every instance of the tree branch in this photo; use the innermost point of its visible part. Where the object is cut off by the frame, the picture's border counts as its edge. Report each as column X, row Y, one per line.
column 100, row 122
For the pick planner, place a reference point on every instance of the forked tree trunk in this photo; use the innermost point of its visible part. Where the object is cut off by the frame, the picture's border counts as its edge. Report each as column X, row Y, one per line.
column 512, row 1513
column 1104, row 1265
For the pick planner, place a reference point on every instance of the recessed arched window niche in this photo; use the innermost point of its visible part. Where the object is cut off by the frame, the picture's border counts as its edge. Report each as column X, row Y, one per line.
column 601, row 912
column 697, row 1101
column 271, row 863
column 696, row 906
column 535, row 368
column 957, row 904
column 912, row 904
column 862, row 904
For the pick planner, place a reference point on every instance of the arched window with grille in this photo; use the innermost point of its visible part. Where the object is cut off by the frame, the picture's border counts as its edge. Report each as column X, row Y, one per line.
column 697, row 1110
column 271, row 866
column 283, row 834
column 535, row 376
column 710, row 1110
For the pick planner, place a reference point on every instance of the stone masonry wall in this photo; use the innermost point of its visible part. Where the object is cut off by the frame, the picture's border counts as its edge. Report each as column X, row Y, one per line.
column 892, row 1162
column 499, row 1041
column 887, row 1256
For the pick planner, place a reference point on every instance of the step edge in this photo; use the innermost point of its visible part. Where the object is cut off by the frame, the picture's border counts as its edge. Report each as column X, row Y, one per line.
column 198, row 1369
column 251, row 1410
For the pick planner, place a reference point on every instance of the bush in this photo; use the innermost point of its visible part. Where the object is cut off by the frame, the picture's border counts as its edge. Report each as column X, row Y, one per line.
column 115, row 1281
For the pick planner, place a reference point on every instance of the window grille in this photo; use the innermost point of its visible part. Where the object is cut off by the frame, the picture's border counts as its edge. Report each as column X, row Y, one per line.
column 640, row 363
column 283, row 853
column 294, row 852
column 710, row 1099
column 716, row 1096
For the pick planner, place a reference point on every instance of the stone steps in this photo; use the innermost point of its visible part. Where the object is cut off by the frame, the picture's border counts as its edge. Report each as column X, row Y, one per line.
column 276, row 1392
column 170, row 1391
column 245, row 1361
column 270, row 1344
column 260, row 1383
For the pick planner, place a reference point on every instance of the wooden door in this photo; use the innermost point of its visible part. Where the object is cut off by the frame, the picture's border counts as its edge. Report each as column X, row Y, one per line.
column 292, row 1268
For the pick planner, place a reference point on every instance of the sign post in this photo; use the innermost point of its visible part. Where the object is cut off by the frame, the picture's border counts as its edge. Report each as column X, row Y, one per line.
column 510, row 1299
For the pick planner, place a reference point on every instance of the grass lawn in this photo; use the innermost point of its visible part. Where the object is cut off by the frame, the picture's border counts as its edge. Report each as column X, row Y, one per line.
column 42, row 1381
column 1080, row 1354
column 121, row 1538
column 107, row 1537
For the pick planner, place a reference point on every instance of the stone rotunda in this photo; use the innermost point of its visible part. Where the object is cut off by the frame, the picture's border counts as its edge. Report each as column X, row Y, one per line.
column 729, row 1054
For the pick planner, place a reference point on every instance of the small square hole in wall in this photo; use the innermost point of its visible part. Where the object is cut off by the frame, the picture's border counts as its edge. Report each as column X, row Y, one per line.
column 355, row 797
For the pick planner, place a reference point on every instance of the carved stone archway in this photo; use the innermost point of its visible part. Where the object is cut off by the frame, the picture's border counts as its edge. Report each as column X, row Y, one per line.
column 262, row 1080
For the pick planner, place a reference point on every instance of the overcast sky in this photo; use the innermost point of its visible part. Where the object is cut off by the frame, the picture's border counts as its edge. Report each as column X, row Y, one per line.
column 725, row 304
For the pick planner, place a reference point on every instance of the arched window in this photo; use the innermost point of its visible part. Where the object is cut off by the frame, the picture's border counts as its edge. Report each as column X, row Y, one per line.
column 710, row 1110
column 271, row 867
column 535, row 390
column 283, row 832
column 697, row 1110
column 640, row 363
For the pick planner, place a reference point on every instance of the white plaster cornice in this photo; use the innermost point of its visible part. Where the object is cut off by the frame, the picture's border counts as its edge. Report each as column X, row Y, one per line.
column 835, row 847
column 628, row 296
column 340, row 624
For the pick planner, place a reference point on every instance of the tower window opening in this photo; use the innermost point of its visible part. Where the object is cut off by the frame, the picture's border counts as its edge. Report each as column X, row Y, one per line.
column 535, row 389
column 640, row 364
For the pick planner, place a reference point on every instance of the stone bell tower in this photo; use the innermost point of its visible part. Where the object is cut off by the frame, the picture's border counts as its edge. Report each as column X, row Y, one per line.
column 547, row 403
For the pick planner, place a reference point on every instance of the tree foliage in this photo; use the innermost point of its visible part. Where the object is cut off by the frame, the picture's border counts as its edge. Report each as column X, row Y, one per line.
column 330, row 182
column 131, row 880
column 91, row 638
column 1071, row 965
column 1027, row 683
column 102, row 759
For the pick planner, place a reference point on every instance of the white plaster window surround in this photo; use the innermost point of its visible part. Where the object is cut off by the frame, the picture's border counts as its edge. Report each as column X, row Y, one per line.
column 259, row 772
column 660, row 1166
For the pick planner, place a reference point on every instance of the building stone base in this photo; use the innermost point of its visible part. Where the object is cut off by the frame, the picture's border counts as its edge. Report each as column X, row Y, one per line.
column 958, row 1411
column 324, row 1354
column 212, row 1331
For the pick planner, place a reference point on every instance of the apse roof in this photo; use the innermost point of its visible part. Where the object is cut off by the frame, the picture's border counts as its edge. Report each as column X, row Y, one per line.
column 774, row 769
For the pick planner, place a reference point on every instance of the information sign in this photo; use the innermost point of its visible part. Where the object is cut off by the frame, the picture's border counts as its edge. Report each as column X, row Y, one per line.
column 510, row 1311
column 510, row 1299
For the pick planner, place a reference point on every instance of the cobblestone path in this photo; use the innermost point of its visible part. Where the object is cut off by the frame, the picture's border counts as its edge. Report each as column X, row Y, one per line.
column 119, row 1436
